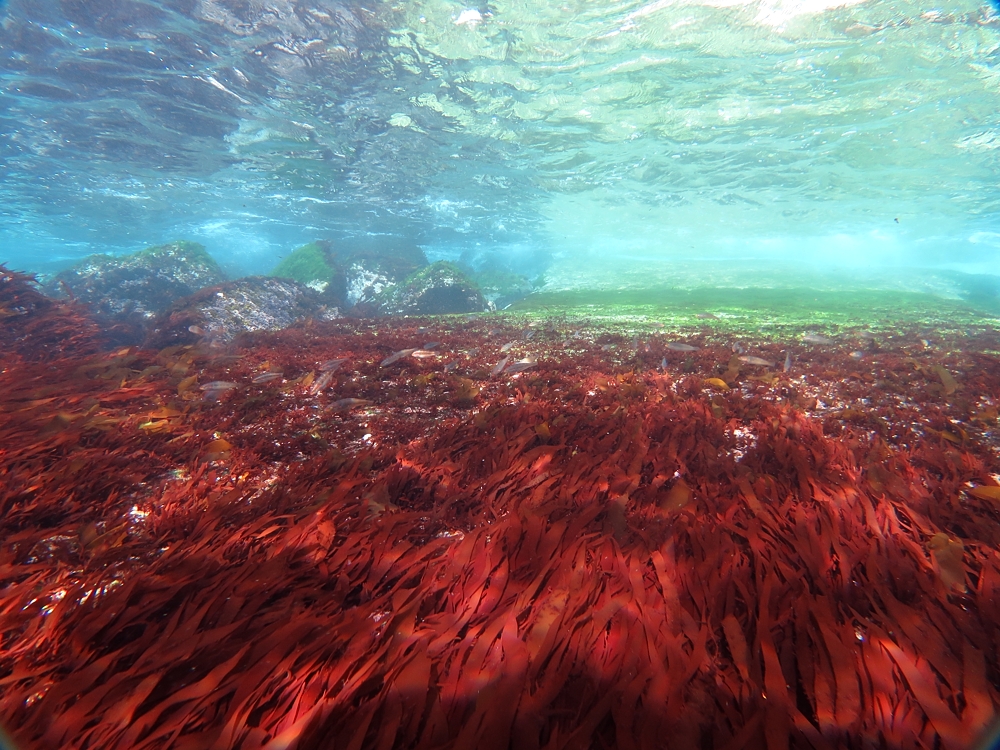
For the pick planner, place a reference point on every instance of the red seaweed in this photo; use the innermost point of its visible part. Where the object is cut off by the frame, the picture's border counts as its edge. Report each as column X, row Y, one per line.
column 589, row 553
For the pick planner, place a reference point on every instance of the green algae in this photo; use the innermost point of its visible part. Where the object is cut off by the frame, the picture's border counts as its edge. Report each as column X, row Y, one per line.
column 766, row 313
column 308, row 265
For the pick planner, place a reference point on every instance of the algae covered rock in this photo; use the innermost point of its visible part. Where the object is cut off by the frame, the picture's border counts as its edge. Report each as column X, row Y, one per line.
column 140, row 285
column 351, row 275
column 368, row 274
column 501, row 288
column 220, row 313
column 315, row 266
column 438, row 289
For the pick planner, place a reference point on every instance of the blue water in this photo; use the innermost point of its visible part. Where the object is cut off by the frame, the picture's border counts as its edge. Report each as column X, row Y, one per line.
column 603, row 143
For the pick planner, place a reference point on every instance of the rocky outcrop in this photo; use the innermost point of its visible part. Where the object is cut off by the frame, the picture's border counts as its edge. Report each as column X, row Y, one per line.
column 501, row 289
column 440, row 288
column 351, row 277
column 255, row 303
column 135, row 288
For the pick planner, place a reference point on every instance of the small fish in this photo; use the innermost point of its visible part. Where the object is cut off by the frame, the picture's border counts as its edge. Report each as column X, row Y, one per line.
column 867, row 335
column 507, row 347
column 607, row 348
column 432, row 345
column 663, row 364
column 677, row 346
column 521, row 365
column 815, row 338
column 331, row 365
column 788, row 361
column 422, row 354
column 267, row 377
column 219, row 385
column 348, row 403
column 748, row 360
column 393, row 358
column 451, row 367
column 498, row 367
column 214, row 390
column 473, row 352
column 738, row 348
column 706, row 316
column 320, row 383
column 198, row 330
column 529, row 335
column 717, row 383
column 857, row 355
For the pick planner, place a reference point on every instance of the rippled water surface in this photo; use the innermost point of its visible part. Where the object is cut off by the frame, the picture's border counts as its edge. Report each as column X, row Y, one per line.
column 602, row 142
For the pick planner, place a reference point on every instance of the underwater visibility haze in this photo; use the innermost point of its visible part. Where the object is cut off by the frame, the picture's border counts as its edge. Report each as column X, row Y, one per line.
column 561, row 374
column 607, row 144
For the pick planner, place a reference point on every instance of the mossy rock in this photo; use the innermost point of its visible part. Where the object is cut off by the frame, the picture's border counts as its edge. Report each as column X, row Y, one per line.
column 439, row 289
column 140, row 285
column 307, row 265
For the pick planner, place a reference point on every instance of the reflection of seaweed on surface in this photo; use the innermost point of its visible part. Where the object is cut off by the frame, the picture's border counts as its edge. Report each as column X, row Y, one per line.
column 590, row 553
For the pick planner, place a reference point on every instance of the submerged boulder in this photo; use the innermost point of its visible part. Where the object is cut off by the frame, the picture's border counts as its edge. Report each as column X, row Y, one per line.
column 501, row 288
column 220, row 313
column 315, row 266
column 137, row 287
column 351, row 276
column 439, row 289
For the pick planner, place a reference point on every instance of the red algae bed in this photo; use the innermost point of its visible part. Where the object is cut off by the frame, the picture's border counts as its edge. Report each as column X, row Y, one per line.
column 594, row 552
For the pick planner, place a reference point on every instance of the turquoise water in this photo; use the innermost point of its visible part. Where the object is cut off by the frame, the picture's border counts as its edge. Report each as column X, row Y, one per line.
column 610, row 144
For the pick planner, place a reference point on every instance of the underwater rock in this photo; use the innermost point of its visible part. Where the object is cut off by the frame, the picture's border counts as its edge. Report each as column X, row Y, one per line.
column 370, row 272
column 438, row 289
column 137, row 287
column 315, row 265
column 353, row 275
column 501, row 289
column 255, row 303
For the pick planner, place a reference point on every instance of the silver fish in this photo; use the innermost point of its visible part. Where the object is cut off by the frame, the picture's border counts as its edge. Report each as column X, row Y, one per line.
column 348, row 403
column 677, row 346
column 521, row 365
column 451, row 367
column 857, row 355
column 432, row 345
column 422, row 354
column 267, row 377
column 331, row 365
column 393, row 358
column 320, row 383
column 788, row 361
column 507, row 347
column 815, row 338
column 219, row 385
column 663, row 364
column 498, row 367
column 756, row 361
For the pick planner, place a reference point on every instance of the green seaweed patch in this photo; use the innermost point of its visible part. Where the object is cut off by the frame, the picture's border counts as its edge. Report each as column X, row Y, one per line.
column 436, row 272
column 767, row 312
column 308, row 265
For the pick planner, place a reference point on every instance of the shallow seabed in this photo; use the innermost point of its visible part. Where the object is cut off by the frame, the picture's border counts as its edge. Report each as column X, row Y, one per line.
column 623, row 533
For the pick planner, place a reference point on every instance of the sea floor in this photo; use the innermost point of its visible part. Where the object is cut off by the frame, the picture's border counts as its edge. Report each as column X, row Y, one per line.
column 592, row 522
